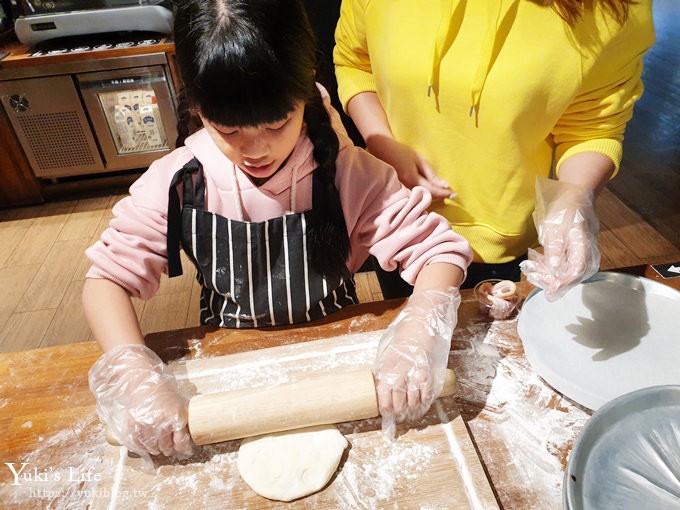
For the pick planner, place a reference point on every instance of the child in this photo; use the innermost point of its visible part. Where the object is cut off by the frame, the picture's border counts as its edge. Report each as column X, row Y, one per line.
column 276, row 209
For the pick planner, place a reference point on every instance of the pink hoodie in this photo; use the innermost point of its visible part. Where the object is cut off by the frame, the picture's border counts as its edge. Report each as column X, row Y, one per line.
column 383, row 218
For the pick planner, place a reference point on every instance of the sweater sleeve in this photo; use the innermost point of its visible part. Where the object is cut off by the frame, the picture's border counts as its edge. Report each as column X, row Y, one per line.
column 596, row 118
column 391, row 222
column 132, row 251
column 350, row 55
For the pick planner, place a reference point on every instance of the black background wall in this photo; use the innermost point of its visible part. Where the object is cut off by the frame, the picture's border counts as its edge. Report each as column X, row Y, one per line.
column 323, row 16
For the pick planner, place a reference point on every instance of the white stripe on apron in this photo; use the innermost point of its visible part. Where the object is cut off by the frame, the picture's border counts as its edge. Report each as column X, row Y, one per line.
column 255, row 274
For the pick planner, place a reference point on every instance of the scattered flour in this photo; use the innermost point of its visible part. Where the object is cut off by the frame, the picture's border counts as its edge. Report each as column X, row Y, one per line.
column 499, row 394
column 195, row 346
column 380, row 467
column 64, row 472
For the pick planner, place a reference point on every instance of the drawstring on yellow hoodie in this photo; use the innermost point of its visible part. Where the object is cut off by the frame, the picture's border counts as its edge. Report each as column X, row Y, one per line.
column 452, row 13
column 446, row 22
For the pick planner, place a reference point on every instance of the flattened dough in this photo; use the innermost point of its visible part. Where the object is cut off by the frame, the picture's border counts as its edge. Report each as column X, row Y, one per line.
column 289, row 465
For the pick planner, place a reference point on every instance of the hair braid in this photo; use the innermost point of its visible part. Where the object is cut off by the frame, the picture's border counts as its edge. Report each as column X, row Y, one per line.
column 329, row 240
column 187, row 120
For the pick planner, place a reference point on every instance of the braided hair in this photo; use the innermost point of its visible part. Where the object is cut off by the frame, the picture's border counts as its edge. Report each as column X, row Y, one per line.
column 328, row 232
column 247, row 63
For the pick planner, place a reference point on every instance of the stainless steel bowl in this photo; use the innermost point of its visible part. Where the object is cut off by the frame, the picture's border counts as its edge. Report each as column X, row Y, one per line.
column 628, row 455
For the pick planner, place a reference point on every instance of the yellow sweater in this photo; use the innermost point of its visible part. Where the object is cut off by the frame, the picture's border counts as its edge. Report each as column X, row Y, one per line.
column 490, row 92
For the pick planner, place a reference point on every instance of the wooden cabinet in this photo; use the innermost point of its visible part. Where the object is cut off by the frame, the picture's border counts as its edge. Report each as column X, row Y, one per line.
column 18, row 183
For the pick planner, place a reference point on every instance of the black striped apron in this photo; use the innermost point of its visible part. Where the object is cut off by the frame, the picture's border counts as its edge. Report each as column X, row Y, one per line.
column 252, row 274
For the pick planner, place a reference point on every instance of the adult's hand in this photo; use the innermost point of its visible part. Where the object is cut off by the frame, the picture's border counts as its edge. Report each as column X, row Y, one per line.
column 370, row 119
column 412, row 168
column 567, row 229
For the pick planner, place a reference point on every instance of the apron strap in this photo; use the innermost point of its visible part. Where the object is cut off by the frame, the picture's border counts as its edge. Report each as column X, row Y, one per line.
column 174, row 232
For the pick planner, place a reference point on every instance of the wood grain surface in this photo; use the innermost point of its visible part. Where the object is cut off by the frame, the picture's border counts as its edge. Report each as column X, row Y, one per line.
column 522, row 430
column 427, row 465
column 21, row 56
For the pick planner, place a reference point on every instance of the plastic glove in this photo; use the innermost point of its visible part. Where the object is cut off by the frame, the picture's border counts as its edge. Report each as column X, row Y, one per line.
column 413, row 355
column 138, row 400
column 567, row 229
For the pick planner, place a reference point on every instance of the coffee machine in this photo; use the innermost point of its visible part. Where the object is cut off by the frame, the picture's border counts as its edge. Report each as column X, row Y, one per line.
column 43, row 20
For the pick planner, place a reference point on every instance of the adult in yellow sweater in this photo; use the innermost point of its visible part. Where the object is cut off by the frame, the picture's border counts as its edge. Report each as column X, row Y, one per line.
column 480, row 101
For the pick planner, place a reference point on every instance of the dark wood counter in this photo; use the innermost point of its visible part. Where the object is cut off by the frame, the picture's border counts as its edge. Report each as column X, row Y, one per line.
column 19, row 184
column 21, row 56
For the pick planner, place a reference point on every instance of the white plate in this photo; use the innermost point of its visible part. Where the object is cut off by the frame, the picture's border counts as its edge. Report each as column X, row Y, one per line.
column 627, row 455
column 609, row 336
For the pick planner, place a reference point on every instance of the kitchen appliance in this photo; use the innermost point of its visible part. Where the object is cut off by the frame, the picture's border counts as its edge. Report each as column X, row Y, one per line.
column 44, row 20
column 92, row 116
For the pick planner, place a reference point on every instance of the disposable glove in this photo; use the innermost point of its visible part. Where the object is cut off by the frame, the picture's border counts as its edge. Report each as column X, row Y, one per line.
column 567, row 229
column 138, row 400
column 413, row 355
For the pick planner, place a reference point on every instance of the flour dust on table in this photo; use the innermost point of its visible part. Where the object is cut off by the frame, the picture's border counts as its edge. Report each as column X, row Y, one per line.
column 418, row 470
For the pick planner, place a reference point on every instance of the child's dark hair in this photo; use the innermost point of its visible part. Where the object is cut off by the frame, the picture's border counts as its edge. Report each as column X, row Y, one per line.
column 246, row 63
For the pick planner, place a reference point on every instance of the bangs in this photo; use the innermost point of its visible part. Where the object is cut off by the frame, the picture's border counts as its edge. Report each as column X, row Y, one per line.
column 247, row 88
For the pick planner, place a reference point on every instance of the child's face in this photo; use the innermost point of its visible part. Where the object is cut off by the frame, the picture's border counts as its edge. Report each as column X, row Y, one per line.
column 259, row 150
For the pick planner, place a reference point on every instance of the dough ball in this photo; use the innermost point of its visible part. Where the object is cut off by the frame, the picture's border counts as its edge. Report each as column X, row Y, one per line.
column 289, row 465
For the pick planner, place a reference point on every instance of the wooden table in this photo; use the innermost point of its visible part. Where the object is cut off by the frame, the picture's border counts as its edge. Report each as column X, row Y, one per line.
column 523, row 430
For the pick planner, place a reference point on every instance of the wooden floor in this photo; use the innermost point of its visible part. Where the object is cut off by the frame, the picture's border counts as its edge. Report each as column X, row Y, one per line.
column 42, row 271
column 43, row 266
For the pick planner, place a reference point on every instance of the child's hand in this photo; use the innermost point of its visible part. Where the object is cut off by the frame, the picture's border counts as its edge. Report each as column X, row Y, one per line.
column 413, row 355
column 138, row 400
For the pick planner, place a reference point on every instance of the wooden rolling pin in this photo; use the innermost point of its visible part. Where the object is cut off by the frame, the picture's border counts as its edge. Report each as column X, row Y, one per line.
column 317, row 400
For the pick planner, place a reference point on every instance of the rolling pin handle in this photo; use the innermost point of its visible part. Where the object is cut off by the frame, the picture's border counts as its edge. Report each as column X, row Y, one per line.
column 110, row 439
column 450, row 384
column 318, row 400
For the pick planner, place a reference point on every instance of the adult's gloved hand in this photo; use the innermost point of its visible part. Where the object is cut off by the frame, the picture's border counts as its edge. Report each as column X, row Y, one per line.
column 413, row 355
column 138, row 400
column 567, row 227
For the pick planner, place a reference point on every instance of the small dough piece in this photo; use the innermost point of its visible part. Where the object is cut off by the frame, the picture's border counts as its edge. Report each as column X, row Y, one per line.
column 289, row 465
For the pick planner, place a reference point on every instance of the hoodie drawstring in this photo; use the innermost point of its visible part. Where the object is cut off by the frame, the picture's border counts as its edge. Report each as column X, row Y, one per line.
column 449, row 25
column 237, row 194
column 498, row 9
column 438, row 48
